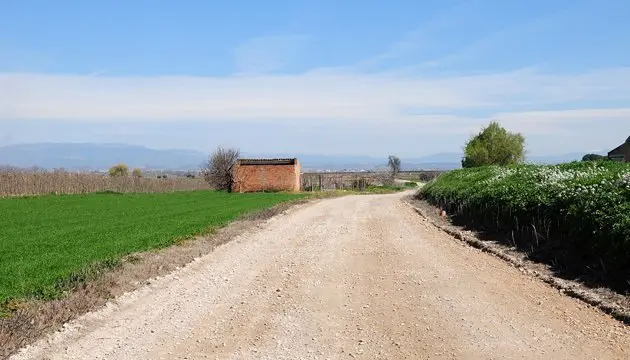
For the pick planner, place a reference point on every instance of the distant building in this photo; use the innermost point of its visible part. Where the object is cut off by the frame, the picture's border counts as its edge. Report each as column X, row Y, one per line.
column 621, row 152
column 267, row 175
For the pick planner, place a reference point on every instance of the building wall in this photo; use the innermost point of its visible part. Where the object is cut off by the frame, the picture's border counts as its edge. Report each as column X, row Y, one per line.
column 267, row 178
column 621, row 153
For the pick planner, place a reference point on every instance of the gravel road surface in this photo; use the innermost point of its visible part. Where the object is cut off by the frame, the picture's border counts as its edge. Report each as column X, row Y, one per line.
column 357, row 277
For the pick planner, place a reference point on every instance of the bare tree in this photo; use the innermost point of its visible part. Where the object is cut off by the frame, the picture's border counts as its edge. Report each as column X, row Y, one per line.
column 393, row 163
column 218, row 171
column 10, row 169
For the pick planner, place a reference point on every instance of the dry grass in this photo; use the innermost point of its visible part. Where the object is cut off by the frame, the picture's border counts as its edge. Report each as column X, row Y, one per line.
column 37, row 183
column 35, row 319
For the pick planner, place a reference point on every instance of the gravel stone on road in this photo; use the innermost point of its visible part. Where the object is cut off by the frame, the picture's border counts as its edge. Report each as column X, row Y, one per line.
column 356, row 277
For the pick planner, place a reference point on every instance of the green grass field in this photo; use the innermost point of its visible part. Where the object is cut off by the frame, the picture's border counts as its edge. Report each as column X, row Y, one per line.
column 46, row 240
column 389, row 189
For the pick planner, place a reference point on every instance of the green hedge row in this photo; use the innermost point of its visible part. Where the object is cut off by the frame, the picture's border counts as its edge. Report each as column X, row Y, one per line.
column 576, row 214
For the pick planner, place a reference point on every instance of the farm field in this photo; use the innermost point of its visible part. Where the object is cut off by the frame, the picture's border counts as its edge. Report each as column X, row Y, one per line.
column 45, row 241
column 576, row 215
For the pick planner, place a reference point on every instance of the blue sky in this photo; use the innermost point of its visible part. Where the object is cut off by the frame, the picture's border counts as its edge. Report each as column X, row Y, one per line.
column 329, row 77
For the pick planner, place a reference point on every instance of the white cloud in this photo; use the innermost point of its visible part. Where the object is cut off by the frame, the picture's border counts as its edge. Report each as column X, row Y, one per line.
column 565, row 116
column 291, row 98
column 585, row 122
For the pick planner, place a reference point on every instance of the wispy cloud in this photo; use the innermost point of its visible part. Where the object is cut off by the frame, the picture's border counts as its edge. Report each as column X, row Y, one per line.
column 423, row 35
column 292, row 98
column 497, row 40
column 97, row 73
column 418, row 46
column 264, row 54
column 530, row 122
column 567, row 122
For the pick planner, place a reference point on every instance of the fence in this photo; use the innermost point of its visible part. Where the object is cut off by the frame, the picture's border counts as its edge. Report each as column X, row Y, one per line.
column 314, row 181
column 341, row 181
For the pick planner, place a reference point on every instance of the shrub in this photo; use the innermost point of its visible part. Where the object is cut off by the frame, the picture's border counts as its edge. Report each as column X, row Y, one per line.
column 577, row 213
column 361, row 183
column 218, row 171
column 119, row 170
column 136, row 173
column 594, row 157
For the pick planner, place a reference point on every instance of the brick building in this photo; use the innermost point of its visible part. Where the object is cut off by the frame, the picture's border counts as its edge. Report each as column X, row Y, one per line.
column 267, row 175
column 621, row 152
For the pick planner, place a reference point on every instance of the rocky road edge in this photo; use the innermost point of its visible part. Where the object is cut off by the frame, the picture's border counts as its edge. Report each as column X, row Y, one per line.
column 608, row 301
column 35, row 318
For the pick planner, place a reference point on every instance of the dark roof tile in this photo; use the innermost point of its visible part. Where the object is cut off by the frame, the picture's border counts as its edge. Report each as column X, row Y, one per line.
column 267, row 161
column 619, row 150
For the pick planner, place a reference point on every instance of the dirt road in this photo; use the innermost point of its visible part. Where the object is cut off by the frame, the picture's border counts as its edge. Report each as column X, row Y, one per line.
column 360, row 277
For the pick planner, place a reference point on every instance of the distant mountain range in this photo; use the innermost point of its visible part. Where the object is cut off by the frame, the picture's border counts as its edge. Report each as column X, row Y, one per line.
column 92, row 156
column 89, row 156
column 310, row 162
column 557, row 159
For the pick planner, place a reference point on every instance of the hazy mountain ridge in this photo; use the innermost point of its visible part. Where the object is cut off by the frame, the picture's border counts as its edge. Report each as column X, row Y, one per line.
column 98, row 156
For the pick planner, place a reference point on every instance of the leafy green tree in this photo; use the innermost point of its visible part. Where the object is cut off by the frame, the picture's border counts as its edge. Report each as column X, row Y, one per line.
column 494, row 145
column 119, row 170
column 393, row 162
column 594, row 157
column 136, row 173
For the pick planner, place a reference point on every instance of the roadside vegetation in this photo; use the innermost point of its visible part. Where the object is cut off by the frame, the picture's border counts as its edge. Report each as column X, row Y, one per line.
column 389, row 189
column 576, row 215
column 50, row 243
